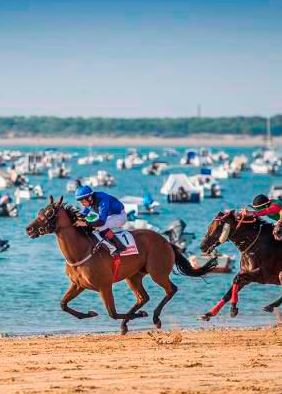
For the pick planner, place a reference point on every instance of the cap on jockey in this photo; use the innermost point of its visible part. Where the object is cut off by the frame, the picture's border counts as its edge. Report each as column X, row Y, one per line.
column 110, row 212
column 265, row 206
column 271, row 208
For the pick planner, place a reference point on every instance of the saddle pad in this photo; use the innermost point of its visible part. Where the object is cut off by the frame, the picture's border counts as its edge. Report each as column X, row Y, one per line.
column 128, row 240
column 125, row 237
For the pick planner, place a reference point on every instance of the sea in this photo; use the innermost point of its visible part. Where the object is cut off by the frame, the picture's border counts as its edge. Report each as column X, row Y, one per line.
column 32, row 272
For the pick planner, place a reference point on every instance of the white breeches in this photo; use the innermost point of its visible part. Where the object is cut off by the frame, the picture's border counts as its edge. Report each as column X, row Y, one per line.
column 114, row 221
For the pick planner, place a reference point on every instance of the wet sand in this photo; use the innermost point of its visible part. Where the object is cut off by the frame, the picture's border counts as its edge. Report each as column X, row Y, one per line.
column 178, row 362
column 191, row 140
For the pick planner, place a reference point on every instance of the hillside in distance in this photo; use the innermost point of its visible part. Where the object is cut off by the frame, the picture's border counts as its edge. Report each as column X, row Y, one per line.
column 160, row 127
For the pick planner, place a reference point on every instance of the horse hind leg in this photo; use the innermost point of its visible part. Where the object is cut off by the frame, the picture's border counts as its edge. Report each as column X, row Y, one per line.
column 170, row 290
column 276, row 303
column 71, row 293
column 135, row 283
column 108, row 298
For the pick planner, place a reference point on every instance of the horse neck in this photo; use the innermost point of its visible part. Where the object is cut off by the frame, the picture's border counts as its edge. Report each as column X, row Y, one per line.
column 73, row 244
column 243, row 237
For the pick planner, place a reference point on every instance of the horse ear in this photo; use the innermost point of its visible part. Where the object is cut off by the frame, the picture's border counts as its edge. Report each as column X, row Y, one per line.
column 59, row 203
column 51, row 199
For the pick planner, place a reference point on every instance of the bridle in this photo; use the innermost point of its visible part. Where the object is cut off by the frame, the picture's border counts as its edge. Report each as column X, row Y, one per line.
column 225, row 234
column 46, row 219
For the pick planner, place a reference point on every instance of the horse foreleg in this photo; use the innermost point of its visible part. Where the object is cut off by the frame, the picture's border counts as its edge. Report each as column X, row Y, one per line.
column 240, row 280
column 231, row 293
column 71, row 293
column 135, row 283
column 108, row 298
column 277, row 303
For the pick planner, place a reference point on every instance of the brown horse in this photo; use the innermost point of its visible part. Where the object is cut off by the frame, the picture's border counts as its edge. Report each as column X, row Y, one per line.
column 261, row 255
column 90, row 267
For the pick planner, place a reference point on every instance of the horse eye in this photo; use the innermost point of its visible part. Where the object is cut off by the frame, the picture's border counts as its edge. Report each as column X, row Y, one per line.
column 49, row 214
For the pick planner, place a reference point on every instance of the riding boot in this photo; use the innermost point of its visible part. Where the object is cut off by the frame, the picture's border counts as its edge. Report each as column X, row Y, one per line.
column 110, row 236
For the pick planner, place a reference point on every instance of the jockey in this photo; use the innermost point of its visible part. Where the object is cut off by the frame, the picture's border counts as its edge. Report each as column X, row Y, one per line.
column 264, row 206
column 271, row 208
column 110, row 211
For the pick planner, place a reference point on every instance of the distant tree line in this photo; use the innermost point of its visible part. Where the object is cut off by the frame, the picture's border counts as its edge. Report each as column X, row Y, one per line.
column 162, row 127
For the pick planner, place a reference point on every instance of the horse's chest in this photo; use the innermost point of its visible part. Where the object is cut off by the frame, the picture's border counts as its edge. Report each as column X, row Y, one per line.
column 247, row 263
column 81, row 279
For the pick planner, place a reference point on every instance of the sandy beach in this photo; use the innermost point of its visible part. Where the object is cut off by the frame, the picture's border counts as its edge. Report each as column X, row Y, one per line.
column 191, row 140
column 177, row 362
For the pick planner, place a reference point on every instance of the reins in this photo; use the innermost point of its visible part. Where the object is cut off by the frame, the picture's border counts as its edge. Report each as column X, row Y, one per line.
column 254, row 241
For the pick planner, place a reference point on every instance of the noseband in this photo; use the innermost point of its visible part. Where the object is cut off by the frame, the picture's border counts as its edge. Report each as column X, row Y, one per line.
column 48, row 222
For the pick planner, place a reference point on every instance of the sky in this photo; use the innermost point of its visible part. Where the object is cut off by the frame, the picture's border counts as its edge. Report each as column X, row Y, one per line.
column 132, row 58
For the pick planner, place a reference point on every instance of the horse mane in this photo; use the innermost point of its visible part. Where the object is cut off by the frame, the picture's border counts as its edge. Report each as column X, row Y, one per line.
column 73, row 213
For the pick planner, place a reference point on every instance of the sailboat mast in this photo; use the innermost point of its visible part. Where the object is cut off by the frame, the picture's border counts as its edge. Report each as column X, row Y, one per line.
column 268, row 132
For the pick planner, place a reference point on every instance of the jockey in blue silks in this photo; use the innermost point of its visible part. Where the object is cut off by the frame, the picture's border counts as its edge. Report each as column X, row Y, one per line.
column 110, row 212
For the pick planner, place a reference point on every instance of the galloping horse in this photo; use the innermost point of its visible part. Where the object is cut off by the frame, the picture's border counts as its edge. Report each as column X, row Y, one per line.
column 89, row 267
column 261, row 255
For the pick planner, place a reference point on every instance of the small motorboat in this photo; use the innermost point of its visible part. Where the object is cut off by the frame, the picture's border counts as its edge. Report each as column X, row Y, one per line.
column 176, row 235
column 4, row 245
column 225, row 262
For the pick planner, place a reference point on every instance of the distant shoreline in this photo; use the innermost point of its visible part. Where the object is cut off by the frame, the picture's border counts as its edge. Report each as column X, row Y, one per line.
column 191, row 140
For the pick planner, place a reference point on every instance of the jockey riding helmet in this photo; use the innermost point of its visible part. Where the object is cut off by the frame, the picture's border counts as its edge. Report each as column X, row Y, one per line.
column 83, row 192
column 261, row 201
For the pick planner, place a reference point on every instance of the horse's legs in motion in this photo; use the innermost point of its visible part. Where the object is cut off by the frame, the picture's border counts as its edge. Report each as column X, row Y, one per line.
column 170, row 290
column 276, row 303
column 135, row 283
column 226, row 298
column 71, row 293
column 108, row 298
column 240, row 280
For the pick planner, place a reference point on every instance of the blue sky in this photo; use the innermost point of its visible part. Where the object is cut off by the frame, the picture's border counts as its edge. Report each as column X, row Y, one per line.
column 140, row 58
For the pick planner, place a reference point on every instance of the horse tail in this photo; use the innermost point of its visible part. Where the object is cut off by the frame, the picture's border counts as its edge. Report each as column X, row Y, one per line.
column 184, row 266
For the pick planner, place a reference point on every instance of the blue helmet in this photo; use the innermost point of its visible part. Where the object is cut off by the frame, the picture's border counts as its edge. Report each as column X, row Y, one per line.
column 83, row 192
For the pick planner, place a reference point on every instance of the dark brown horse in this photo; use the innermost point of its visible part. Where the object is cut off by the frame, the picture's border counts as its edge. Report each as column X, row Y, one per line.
column 261, row 255
column 89, row 267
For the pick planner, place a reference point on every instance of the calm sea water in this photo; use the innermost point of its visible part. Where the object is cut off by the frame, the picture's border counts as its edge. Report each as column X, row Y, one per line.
column 32, row 278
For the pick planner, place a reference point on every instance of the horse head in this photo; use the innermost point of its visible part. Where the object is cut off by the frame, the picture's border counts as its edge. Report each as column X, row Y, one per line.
column 219, row 230
column 45, row 222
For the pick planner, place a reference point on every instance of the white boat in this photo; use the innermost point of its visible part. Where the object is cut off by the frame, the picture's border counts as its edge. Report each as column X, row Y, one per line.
column 177, row 182
column 103, row 178
column 191, row 157
column 140, row 224
column 28, row 192
column 260, row 167
column 4, row 182
column 59, row 172
column 156, row 168
column 226, row 263
column 275, row 192
column 134, row 203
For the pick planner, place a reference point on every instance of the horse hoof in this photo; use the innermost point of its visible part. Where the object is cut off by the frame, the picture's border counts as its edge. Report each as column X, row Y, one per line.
column 143, row 314
column 268, row 308
column 234, row 311
column 206, row 317
column 157, row 322
column 124, row 330
column 92, row 314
